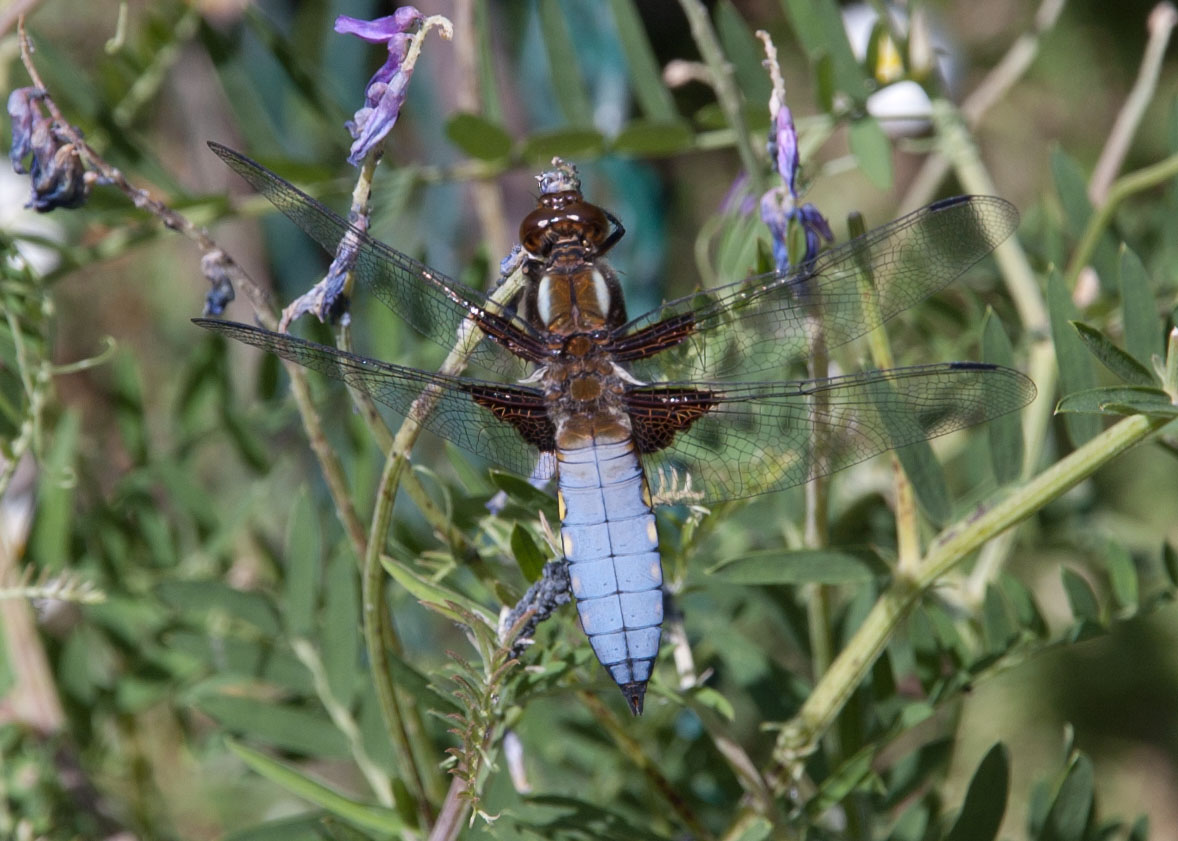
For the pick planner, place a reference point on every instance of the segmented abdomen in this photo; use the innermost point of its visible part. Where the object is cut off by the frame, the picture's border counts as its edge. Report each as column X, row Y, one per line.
column 609, row 539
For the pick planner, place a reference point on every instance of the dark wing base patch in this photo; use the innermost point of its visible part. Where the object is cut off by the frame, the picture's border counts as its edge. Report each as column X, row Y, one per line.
column 523, row 410
column 658, row 414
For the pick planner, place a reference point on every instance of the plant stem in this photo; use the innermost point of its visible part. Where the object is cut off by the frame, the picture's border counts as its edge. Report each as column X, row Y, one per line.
column 724, row 84
column 1123, row 188
column 799, row 737
column 375, row 609
column 342, row 718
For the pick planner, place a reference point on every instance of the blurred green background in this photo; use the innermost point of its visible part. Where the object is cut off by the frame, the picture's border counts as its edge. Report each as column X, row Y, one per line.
column 175, row 477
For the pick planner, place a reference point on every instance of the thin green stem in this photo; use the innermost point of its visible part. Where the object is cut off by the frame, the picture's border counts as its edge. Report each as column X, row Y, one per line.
column 993, row 89
column 1123, row 188
column 724, row 84
column 1162, row 21
column 799, row 737
column 1023, row 287
column 377, row 627
column 344, row 721
column 378, row 632
column 907, row 527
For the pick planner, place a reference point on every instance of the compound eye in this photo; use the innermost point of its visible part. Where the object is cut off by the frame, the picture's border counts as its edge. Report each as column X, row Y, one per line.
column 533, row 231
column 596, row 226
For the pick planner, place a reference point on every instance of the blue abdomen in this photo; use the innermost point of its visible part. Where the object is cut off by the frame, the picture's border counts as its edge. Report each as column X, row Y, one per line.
column 609, row 539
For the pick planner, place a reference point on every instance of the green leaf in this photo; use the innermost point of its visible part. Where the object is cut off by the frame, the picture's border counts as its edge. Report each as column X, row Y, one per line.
column 55, row 497
column 1075, row 364
column 851, row 775
column 1025, row 611
column 201, row 598
column 341, row 627
column 807, row 566
column 945, row 631
column 997, row 629
column 249, row 445
column 1071, row 181
column 912, row 825
column 478, row 137
column 1143, row 333
column 709, row 698
column 757, row 829
column 244, row 658
column 375, row 818
column 1069, row 814
column 1140, row 830
column 1112, row 357
column 303, row 554
column 436, row 595
column 527, row 554
column 128, row 405
column 1170, row 563
column 1119, row 400
column 985, row 800
column 918, row 768
column 744, row 52
column 285, row 727
column 1005, row 432
column 204, row 373
column 539, row 149
column 920, row 465
column 1122, row 576
column 928, row 481
column 521, row 490
column 818, row 27
column 564, row 70
column 418, row 685
column 1080, row 596
column 1071, row 184
column 305, row 827
column 648, row 138
column 646, row 77
column 872, row 150
column 824, row 84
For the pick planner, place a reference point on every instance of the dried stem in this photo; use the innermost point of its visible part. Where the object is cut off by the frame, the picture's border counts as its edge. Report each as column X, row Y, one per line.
column 993, row 88
column 262, row 304
column 957, row 541
column 1162, row 21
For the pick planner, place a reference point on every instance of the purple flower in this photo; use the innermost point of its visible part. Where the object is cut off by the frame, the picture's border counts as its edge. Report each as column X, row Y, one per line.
column 779, row 205
column 783, row 147
column 385, row 93
column 58, row 177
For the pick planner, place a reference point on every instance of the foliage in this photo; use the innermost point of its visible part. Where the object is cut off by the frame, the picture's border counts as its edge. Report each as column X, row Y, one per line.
column 238, row 636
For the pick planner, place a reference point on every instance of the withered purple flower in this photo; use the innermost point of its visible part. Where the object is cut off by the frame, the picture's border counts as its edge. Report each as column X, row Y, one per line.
column 215, row 265
column 386, row 90
column 327, row 299
column 59, row 179
column 779, row 205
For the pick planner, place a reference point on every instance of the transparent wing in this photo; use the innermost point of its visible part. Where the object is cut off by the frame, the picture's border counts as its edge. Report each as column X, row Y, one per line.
column 767, row 321
column 429, row 301
column 478, row 416
column 759, row 437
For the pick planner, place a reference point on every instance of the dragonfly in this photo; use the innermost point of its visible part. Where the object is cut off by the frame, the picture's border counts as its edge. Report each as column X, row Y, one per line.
column 689, row 400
